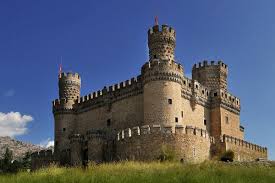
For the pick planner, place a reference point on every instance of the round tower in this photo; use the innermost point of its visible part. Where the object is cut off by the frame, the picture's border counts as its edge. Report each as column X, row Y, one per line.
column 212, row 75
column 162, row 79
column 161, row 42
column 64, row 113
column 69, row 86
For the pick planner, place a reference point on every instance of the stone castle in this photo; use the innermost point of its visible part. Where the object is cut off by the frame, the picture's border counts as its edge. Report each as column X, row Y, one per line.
column 197, row 119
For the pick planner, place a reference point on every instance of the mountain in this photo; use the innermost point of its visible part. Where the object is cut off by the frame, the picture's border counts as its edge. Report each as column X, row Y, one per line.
column 18, row 148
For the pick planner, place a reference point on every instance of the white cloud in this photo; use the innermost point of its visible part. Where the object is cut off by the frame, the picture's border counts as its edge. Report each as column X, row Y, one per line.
column 47, row 143
column 9, row 93
column 13, row 123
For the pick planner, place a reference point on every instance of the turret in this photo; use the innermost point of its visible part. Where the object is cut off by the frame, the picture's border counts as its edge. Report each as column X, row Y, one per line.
column 161, row 42
column 64, row 115
column 69, row 86
column 162, row 79
column 212, row 75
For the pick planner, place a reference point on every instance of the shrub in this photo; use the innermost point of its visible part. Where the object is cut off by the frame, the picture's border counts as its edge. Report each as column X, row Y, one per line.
column 227, row 156
column 166, row 154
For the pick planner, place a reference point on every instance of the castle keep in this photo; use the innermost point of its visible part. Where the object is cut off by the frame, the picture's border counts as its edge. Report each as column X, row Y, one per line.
column 160, row 109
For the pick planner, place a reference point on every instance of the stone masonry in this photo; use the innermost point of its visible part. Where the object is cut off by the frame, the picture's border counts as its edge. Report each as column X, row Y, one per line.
column 195, row 118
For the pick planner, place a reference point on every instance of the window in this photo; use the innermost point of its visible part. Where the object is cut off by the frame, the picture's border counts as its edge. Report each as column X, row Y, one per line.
column 176, row 119
column 64, row 129
column 215, row 94
column 204, row 122
column 56, row 142
column 182, row 114
column 155, row 56
column 226, row 120
column 108, row 122
column 169, row 101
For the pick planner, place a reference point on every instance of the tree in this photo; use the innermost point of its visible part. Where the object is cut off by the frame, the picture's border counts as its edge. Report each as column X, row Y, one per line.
column 26, row 161
column 6, row 165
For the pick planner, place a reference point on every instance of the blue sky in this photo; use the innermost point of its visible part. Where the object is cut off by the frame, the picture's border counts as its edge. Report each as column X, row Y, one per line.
column 106, row 42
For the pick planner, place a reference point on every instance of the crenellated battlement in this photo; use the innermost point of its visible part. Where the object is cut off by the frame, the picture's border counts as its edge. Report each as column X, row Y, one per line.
column 58, row 102
column 147, row 142
column 156, row 64
column 212, row 75
column 192, row 88
column 62, row 105
column 222, row 96
column 133, row 82
column 43, row 154
column 206, row 63
column 163, row 29
column 65, row 75
column 243, row 144
column 162, row 130
column 162, row 70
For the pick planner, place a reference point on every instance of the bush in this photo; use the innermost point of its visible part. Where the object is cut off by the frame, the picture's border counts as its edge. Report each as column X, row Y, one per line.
column 167, row 153
column 228, row 156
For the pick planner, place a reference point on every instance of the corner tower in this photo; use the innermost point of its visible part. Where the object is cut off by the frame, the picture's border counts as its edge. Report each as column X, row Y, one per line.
column 64, row 113
column 162, row 79
column 212, row 75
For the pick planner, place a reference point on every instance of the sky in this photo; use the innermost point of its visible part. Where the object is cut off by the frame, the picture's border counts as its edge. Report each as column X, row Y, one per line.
column 106, row 42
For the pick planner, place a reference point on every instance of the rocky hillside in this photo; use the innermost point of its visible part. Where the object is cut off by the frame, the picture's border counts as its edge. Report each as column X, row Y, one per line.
column 18, row 148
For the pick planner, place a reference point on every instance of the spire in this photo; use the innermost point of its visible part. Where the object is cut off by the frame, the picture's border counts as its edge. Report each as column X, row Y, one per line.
column 156, row 20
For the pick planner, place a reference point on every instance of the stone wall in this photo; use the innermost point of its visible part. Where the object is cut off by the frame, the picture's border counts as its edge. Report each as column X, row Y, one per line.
column 195, row 116
column 146, row 143
column 232, row 126
column 42, row 159
column 212, row 75
column 118, row 113
column 157, row 108
column 244, row 151
column 64, row 126
column 160, row 95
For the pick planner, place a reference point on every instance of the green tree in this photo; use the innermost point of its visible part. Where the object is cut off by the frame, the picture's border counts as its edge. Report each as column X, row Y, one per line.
column 26, row 161
column 6, row 165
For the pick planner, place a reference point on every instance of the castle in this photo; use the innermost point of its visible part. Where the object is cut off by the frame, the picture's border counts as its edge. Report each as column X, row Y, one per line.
column 197, row 119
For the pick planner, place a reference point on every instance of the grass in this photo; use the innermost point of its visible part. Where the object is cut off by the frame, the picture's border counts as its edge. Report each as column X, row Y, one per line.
column 131, row 172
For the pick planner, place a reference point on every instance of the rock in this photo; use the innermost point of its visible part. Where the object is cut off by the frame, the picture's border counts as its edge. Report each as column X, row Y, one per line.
column 18, row 148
